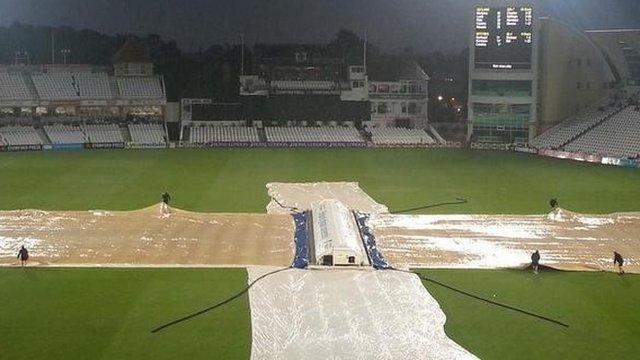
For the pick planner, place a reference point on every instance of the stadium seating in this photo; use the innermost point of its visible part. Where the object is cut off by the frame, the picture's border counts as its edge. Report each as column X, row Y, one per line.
column 147, row 134
column 313, row 134
column 13, row 87
column 617, row 136
column 65, row 134
column 140, row 87
column 302, row 85
column 103, row 133
column 19, row 135
column 400, row 136
column 55, row 86
column 93, row 86
column 73, row 86
column 208, row 134
column 562, row 133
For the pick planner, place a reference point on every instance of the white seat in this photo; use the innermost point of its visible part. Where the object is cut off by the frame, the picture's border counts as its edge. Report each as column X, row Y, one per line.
column 103, row 133
column 19, row 135
column 140, row 87
column 400, row 136
column 617, row 136
column 313, row 134
column 205, row 134
column 65, row 134
column 147, row 134
column 13, row 87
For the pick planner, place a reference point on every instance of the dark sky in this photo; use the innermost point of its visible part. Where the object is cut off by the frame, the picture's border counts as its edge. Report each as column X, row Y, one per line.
column 426, row 25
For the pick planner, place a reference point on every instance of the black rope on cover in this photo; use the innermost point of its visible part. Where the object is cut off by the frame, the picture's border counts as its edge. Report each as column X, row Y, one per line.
column 458, row 201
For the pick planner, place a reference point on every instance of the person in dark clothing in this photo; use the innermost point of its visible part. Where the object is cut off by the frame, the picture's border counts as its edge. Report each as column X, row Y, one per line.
column 535, row 261
column 164, row 206
column 618, row 260
column 553, row 203
column 23, row 255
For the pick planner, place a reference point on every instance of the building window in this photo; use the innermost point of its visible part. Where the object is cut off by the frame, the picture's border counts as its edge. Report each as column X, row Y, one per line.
column 383, row 88
column 588, row 85
column 579, row 85
column 413, row 108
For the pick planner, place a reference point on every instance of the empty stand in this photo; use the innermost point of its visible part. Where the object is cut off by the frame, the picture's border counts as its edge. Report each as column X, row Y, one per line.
column 209, row 134
column 564, row 132
column 313, row 134
column 13, row 87
column 400, row 136
column 140, row 87
column 618, row 136
column 19, row 135
column 103, row 133
column 93, row 86
column 147, row 134
column 65, row 134
column 302, row 85
column 55, row 86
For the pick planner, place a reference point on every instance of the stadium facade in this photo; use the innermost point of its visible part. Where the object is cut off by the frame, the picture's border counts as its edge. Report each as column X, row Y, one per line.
column 386, row 92
column 297, row 95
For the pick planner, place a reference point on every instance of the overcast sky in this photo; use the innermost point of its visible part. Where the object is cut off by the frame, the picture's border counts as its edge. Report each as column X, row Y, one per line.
column 426, row 25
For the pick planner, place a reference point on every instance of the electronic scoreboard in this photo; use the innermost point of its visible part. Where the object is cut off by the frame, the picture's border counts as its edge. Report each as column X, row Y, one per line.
column 503, row 37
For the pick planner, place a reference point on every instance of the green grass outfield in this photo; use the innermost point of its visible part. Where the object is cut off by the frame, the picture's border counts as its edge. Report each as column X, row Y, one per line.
column 234, row 180
column 108, row 314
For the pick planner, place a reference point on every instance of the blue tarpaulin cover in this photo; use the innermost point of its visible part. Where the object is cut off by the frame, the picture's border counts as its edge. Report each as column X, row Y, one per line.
column 375, row 256
column 301, row 237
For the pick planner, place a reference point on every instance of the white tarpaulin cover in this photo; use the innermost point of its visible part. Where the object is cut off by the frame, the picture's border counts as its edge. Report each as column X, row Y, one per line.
column 335, row 233
column 300, row 196
column 566, row 240
column 346, row 314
